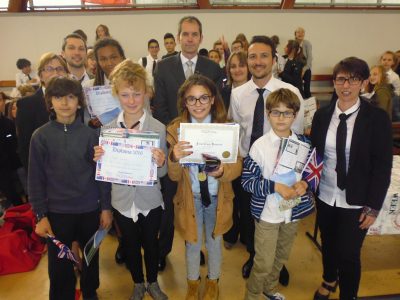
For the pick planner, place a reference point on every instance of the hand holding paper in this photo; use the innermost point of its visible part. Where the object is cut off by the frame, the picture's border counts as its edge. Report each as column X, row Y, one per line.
column 181, row 150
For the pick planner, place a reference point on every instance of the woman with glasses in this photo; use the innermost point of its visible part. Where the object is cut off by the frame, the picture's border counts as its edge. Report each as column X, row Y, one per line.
column 354, row 138
column 200, row 102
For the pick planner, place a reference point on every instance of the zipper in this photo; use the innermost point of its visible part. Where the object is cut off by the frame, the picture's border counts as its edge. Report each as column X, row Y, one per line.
column 65, row 128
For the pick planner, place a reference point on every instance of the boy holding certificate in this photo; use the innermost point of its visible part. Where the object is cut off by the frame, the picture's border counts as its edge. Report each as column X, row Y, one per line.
column 275, row 228
column 204, row 198
column 64, row 195
column 138, row 208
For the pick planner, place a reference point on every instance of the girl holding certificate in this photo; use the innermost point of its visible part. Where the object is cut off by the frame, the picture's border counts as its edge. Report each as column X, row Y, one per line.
column 201, row 199
column 138, row 208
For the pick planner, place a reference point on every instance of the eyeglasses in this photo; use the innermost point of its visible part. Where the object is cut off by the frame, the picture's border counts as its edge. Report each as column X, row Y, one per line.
column 50, row 69
column 286, row 114
column 203, row 99
column 352, row 80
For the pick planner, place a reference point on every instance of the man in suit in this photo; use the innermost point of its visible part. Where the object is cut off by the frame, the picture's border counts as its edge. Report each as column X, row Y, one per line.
column 170, row 73
column 32, row 111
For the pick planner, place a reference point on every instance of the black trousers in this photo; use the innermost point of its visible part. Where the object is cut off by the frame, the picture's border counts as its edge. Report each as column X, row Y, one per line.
column 342, row 240
column 68, row 228
column 142, row 233
column 166, row 237
column 8, row 186
column 307, row 84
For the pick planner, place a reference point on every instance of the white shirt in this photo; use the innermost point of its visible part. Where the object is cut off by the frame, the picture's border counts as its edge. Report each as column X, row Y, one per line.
column 84, row 78
column 133, row 212
column 21, row 78
column 184, row 60
column 264, row 152
column 394, row 80
column 149, row 67
column 243, row 103
column 328, row 190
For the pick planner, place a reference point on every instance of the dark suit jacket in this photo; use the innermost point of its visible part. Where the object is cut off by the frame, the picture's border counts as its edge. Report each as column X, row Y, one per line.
column 9, row 159
column 169, row 76
column 31, row 114
column 370, row 161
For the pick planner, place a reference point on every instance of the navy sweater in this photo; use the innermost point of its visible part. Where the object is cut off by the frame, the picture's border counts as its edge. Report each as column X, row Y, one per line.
column 62, row 171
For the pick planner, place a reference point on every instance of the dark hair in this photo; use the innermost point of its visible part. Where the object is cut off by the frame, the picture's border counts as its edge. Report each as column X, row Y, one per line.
column 238, row 42
column 275, row 39
column 241, row 37
column 216, row 51
column 107, row 31
column 22, row 63
column 81, row 33
column 169, row 35
column 101, row 43
column 203, row 52
column 73, row 36
column 262, row 39
column 293, row 45
column 152, row 41
column 284, row 96
column 62, row 86
column 190, row 19
column 353, row 66
column 218, row 112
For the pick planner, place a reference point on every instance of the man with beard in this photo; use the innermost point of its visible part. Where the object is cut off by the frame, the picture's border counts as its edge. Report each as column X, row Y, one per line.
column 74, row 51
column 248, row 109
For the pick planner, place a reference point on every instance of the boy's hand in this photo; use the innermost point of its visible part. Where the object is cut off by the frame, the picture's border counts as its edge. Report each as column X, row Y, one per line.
column 300, row 187
column 218, row 172
column 98, row 153
column 43, row 228
column 158, row 156
column 285, row 191
column 180, row 150
column 106, row 218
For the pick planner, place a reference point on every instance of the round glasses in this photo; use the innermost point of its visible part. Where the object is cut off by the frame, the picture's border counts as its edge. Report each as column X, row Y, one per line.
column 203, row 99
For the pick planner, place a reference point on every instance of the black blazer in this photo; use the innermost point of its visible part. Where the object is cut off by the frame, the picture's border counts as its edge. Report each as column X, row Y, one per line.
column 9, row 159
column 169, row 76
column 370, row 161
column 31, row 114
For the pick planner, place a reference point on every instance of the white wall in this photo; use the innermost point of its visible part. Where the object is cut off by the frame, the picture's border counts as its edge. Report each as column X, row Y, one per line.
column 334, row 34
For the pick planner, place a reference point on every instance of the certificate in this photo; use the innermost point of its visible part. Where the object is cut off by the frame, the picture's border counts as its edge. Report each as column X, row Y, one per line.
column 127, row 157
column 215, row 139
column 101, row 103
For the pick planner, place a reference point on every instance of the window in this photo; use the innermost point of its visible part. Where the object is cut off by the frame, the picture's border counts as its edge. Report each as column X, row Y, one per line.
column 3, row 5
column 346, row 3
column 246, row 2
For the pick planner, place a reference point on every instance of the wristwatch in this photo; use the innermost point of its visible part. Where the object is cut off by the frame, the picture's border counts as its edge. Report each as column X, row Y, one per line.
column 40, row 216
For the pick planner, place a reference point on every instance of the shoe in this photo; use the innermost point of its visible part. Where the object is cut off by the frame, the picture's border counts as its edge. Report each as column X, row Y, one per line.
column 284, row 276
column 162, row 263
column 193, row 290
column 228, row 245
column 211, row 290
column 329, row 288
column 202, row 259
column 119, row 254
column 276, row 296
column 155, row 291
column 138, row 291
column 246, row 269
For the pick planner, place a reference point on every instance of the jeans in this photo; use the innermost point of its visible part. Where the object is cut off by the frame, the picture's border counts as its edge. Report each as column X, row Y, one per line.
column 204, row 216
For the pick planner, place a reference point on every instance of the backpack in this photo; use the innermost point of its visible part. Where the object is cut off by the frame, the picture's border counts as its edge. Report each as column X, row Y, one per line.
column 20, row 247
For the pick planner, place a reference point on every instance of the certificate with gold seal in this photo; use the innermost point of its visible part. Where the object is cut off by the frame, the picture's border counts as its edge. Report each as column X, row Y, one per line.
column 215, row 139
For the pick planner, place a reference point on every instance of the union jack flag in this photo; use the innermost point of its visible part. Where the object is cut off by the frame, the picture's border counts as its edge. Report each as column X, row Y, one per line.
column 64, row 252
column 312, row 170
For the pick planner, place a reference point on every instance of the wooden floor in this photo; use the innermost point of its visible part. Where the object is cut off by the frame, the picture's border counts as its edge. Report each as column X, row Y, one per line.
column 380, row 276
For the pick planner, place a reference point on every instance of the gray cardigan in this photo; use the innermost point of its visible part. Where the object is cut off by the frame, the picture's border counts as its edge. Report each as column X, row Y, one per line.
column 145, row 198
column 307, row 51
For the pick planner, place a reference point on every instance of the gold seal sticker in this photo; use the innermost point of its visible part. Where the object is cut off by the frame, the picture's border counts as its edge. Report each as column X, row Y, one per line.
column 226, row 154
column 202, row 176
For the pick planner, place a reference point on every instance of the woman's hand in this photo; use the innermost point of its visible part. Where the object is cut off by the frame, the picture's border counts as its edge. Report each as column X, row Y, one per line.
column 158, row 156
column 180, row 150
column 218, row 172
column 285, row 191
column 43, row 228
column 106, row 218
column 98, row 153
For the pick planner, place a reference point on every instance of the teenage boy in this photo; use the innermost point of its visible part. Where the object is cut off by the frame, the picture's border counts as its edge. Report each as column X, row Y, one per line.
column 27, row 75
column 275, row 229
column 169, row 44
column 150, row 61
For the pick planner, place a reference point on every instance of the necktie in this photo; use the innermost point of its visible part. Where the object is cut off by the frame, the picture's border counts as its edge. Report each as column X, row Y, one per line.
column 189, row 70
column 258, row 118
column 341, row 136
column 154, row 67
column 29, row 77
column 205, row 194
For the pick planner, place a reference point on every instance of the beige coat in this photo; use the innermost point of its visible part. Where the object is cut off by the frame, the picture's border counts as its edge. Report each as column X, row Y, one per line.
column 185, row 216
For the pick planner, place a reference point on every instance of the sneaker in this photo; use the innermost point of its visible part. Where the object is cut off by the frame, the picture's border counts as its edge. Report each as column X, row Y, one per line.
column 276, row 296
column 138, row 291
column 155, row 291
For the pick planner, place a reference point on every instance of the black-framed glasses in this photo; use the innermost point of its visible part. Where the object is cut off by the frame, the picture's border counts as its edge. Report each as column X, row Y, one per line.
column 203, row 99
column 351, row 80
column 286, row 114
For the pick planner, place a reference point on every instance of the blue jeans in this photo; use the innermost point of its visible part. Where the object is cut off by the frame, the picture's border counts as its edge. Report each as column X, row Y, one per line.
column 204, row 216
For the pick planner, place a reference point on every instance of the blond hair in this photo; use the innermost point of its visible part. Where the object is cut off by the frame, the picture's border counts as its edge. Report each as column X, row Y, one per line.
column 47, row 58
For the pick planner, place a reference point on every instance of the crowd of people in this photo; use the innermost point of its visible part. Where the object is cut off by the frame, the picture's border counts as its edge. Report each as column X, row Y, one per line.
column 50, row 141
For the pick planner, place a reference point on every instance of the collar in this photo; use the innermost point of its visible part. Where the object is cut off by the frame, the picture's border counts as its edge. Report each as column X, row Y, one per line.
column 120, row 119
column 272, row 84
column 185, row 60
column 106, row 80
column 351, row 110
column 274, row 138
column 206, row 120
column 67, row 127
column 83, row 78
column 150, row 58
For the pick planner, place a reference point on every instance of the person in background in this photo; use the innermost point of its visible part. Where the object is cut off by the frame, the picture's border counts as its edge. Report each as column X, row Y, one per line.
column 388, row 61
column 306, row 47
column 280, row 60
column 245, row 43
column 169, row 44
column 203, row 52
column 214, row 55
column 237, row 46
column 91, row 63
column 26, row 74
column 149, row 62
column 291, row 73
column 397, row 68
column 26, row 90
column 82, row 34
column 102, row 31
